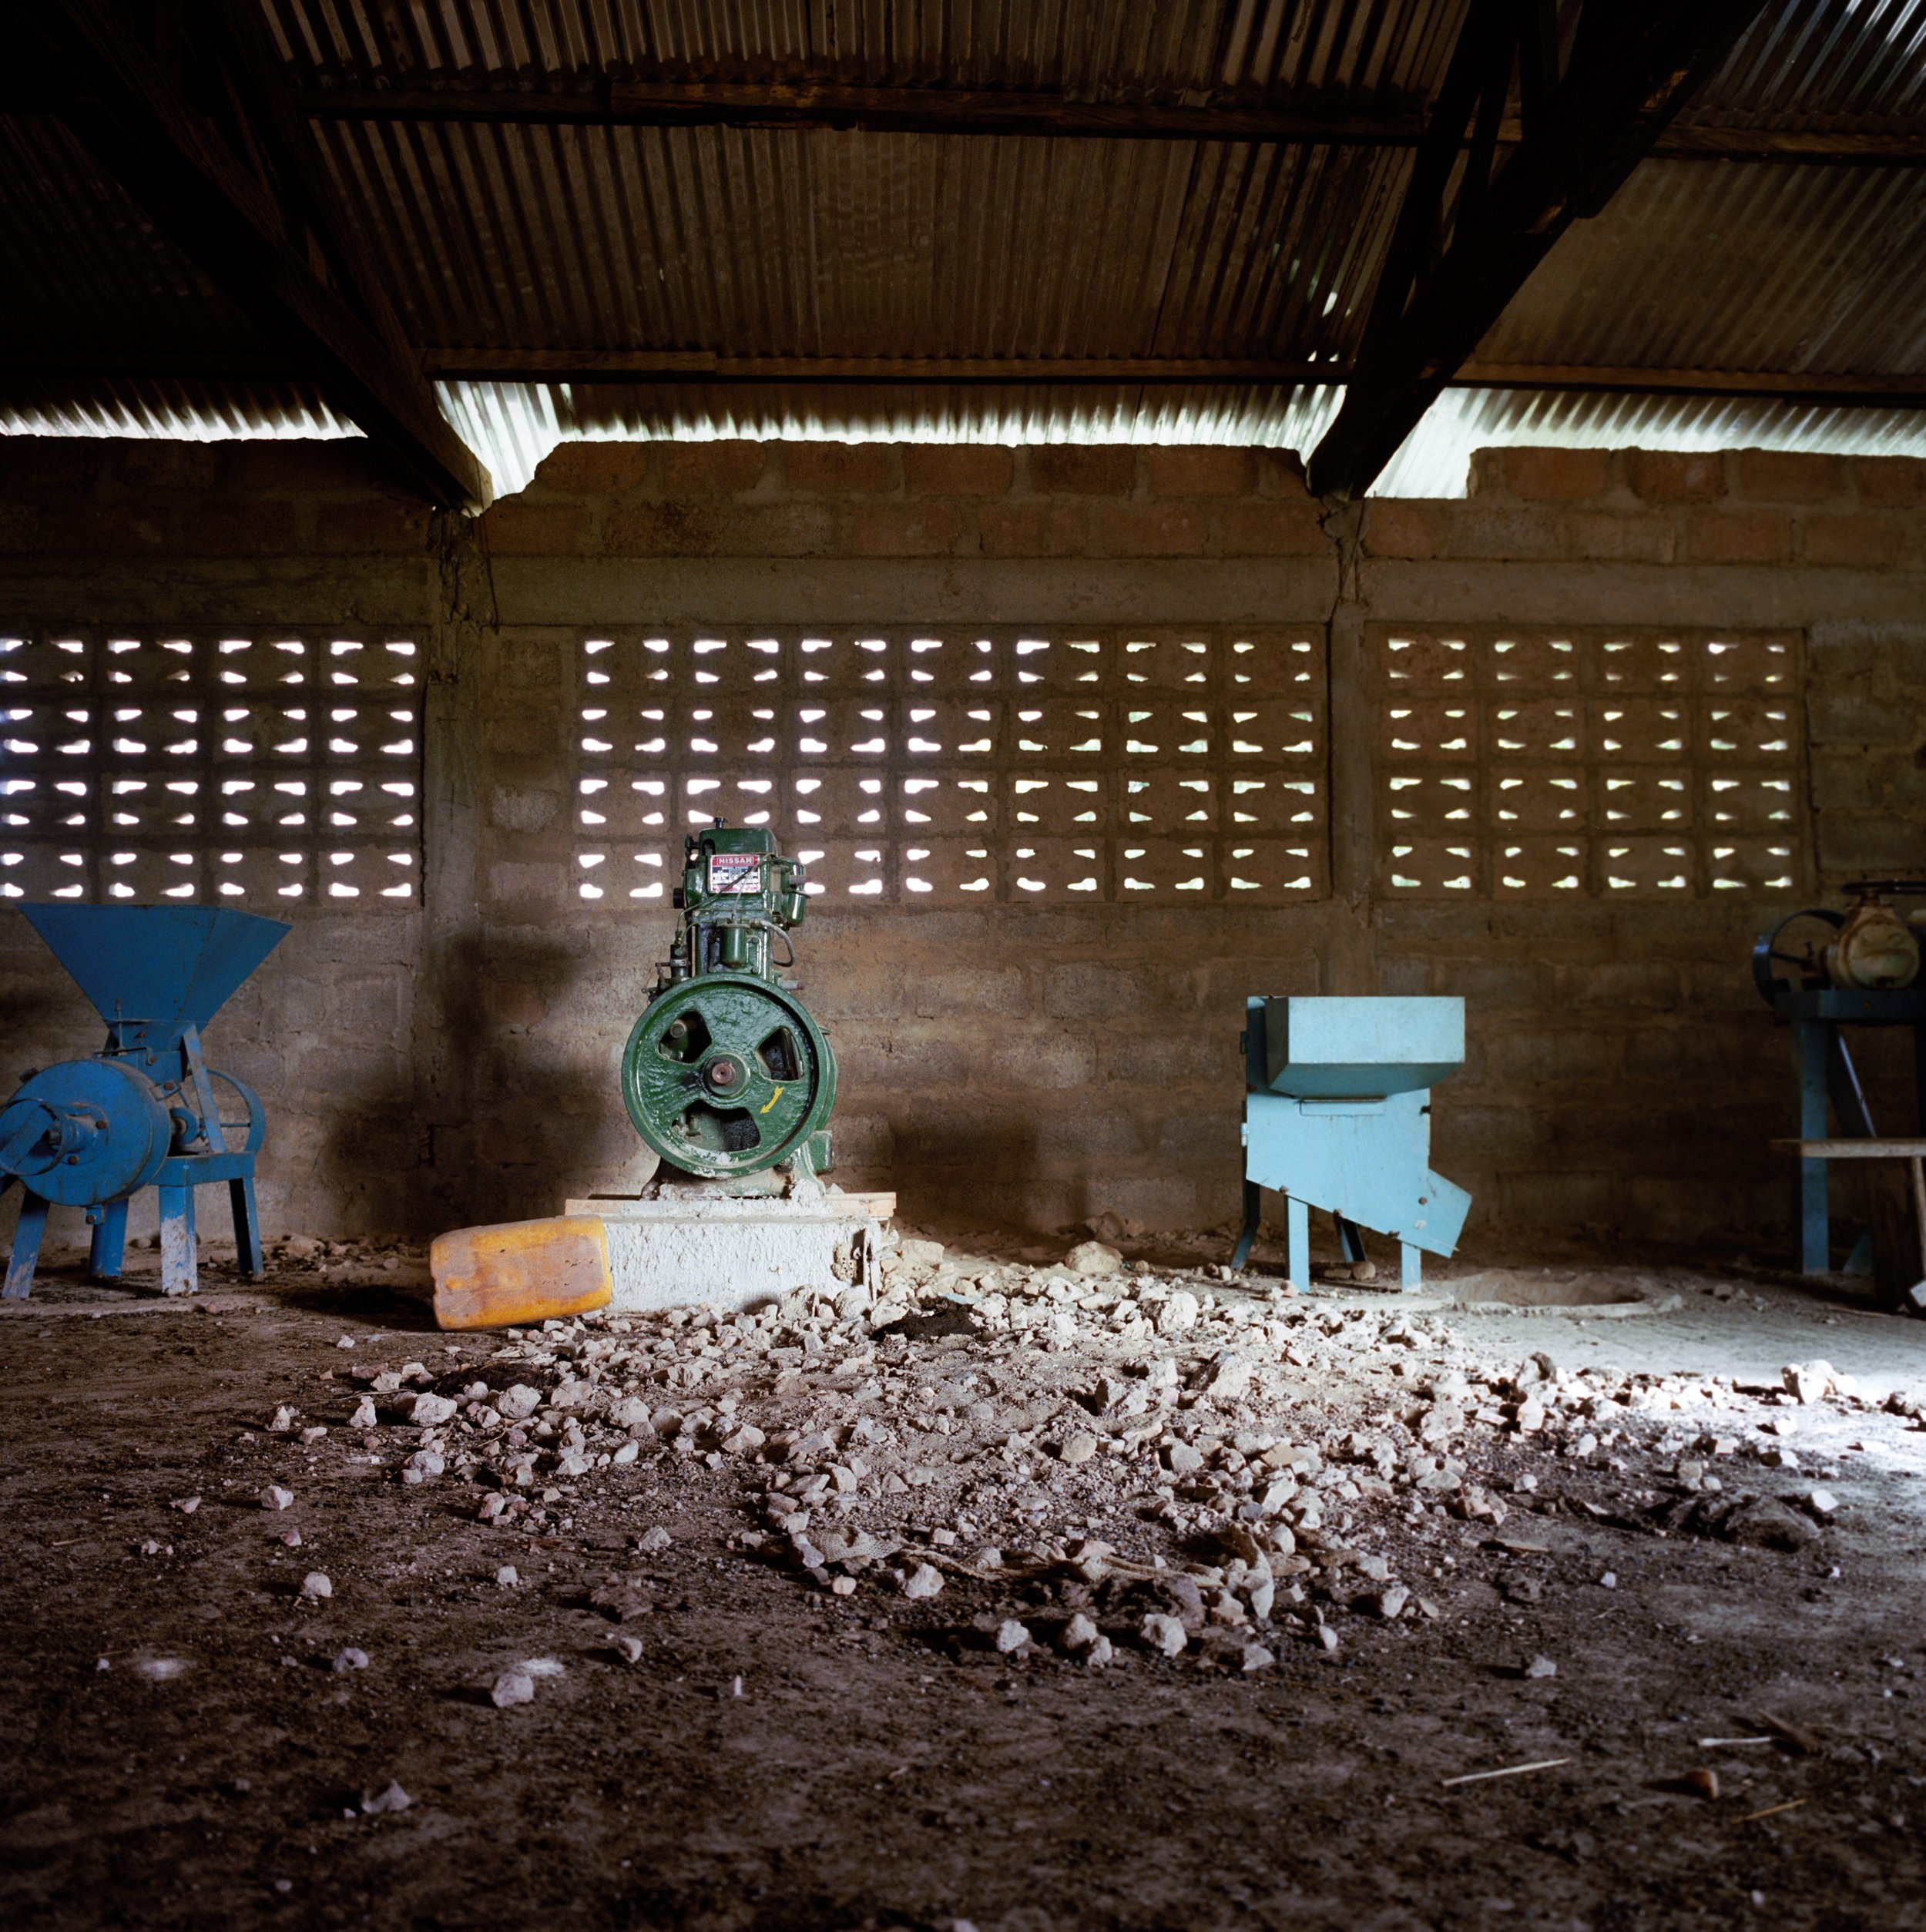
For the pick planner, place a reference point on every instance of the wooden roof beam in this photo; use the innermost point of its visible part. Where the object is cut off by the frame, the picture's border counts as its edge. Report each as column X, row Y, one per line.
column 1008, row 111
column 1473, row 227
column 910, row 110
column 240, row 229
column 653, row 365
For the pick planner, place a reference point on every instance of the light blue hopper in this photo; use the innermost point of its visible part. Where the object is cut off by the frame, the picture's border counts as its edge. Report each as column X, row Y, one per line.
column 143, row 1110
column 1337, row 1117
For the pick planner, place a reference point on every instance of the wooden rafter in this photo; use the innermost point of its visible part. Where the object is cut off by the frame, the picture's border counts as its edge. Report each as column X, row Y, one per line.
column 1005, row 111
column 647, row 366
column 1757, row 385
column 261, row 233
column 909, row 110
column 1473, row 225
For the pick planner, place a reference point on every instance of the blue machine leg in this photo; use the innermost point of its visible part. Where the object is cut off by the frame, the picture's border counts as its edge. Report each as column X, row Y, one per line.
column 1247, row 1234
column 1850, row 1109
column 26, row 1246
column 177, row 1275
column 1411, row 1266
column 1297, row 1240
column 109, row 1242
column 1809, row 1056
column 1842, row 1085
column 1350, row 1244
column 247, row 1227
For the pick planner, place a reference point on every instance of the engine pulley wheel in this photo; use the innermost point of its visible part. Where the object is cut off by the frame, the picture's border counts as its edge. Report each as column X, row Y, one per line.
column 727, row 1074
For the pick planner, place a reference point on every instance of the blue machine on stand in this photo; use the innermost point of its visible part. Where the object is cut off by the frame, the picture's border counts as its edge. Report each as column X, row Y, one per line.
column 1820, row 970
column 141, row 1113
column 1337, row 1117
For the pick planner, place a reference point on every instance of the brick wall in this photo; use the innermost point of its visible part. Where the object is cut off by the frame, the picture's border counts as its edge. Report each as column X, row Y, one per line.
column 1040, row 1061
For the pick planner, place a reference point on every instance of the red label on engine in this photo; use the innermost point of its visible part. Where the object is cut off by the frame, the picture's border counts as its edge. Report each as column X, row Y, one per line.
column 737, row 872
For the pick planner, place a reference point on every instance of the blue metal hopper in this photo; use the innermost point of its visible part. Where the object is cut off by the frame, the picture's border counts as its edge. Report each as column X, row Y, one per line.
column 142, row 1111
column 153, row 972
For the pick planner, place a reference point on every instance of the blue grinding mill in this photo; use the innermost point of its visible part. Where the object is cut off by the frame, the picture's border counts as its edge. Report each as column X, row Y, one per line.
column 141, row 1113
column 1337, row 1116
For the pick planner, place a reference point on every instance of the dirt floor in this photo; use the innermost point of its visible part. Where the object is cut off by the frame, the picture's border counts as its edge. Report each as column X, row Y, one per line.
column 1391, row 1541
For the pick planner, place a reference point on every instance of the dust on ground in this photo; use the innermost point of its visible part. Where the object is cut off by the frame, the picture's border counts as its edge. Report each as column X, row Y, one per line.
column 1019, row 1596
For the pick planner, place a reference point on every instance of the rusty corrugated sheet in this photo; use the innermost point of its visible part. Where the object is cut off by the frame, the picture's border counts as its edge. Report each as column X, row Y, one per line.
column 773, row 243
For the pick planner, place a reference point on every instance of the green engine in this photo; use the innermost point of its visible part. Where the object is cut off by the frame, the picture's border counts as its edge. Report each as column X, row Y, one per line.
column 725, row 1074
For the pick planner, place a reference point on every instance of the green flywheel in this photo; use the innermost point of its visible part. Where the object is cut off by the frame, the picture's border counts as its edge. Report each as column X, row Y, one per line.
column 727, row 1074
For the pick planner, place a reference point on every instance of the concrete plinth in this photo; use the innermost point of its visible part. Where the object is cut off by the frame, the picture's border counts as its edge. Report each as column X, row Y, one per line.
column 719, row 1253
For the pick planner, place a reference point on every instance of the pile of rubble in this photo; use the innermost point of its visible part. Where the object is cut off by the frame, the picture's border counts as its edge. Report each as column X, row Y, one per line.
column 353, row 1261
column 1182, row 1460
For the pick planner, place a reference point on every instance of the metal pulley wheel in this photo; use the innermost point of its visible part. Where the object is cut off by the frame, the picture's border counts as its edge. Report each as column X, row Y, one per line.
column 1870, row 949
column 727, row 1074
column 85, row 1131
column 1791, row 957
column 252, row 1127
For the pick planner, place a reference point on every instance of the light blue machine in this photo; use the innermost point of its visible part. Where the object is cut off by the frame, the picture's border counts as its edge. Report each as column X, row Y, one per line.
column 1337, row 1116
column 143, row 1112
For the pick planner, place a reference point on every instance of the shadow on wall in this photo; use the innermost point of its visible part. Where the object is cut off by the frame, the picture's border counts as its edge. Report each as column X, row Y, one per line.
column 345, row 1152
column 531, row 1097
column 448, row 1182
column 42, row 1003
column 990, row 1170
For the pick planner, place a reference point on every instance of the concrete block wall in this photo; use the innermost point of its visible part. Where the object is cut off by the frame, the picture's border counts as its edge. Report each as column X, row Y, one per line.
column 244, row 538
column 1640, row 1017
column 456, row 1061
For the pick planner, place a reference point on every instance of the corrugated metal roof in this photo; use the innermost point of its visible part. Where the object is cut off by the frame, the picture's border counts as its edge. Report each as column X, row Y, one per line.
column 1840, row 65
column 1437, row 455
column 1092, row 49
column 770, row 243
column 1691, row 266
column 762, row 243
column 185, row 412
column 82, row 263
column 512, row 426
